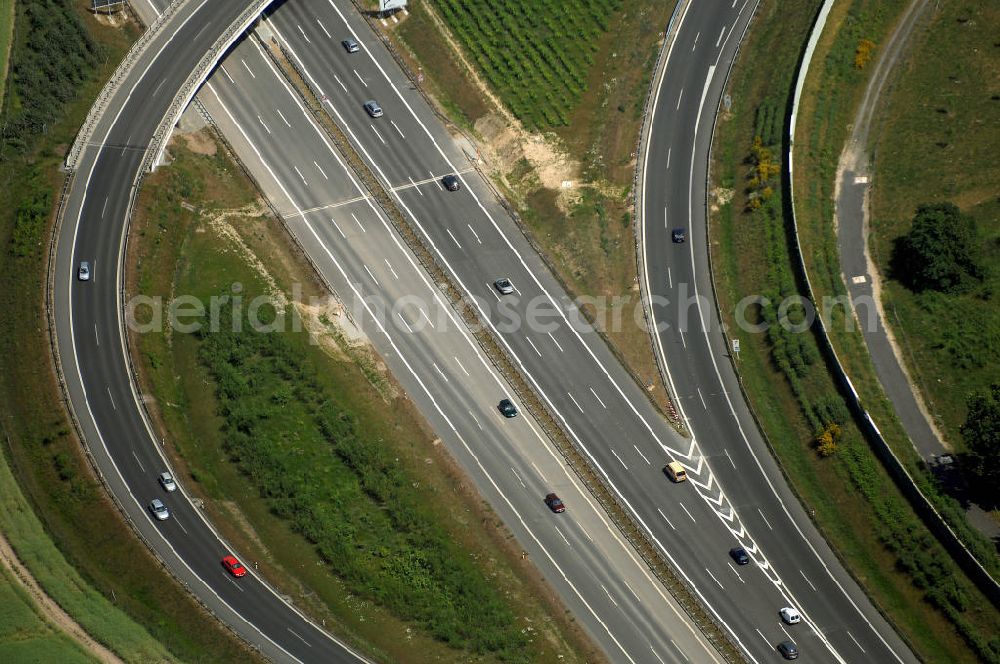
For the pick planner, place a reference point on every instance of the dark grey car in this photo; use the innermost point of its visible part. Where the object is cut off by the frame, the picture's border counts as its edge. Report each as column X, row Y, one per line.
column 788, row 650
column 679, row 235
column 508, row 408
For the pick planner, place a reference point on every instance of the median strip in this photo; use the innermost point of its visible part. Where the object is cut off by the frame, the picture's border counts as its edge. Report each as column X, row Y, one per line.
column 506, row 366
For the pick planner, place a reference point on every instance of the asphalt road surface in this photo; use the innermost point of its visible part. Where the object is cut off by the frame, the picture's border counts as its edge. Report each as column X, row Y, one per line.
column 843, row 623
column 582, row 554
column 606, row 413
column 92, row 349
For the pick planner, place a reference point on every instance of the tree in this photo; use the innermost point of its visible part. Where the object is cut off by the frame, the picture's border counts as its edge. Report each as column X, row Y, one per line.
column 941, row 251
column 981, row 433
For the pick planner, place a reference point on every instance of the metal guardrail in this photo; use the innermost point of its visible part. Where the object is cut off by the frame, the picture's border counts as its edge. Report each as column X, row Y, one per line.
column 638, row 211
column 152, row 153
column 893, row 465
column 125, row 67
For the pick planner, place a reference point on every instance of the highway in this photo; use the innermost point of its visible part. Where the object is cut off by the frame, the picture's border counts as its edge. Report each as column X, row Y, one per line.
column 443, row 370
column 92, row 349
column 598, row 575
column 701, row 375
column 605, row 412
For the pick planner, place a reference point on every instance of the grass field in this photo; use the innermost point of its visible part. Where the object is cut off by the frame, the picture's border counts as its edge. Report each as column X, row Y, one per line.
column 25, row 636
column 537, row 59
column 938, row 143
column 368, row 529
column 6, row 34
column 856, row 504
column 78, row 548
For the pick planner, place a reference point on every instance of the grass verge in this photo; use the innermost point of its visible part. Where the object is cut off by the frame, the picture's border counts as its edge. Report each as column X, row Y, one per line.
column 867, row 521
column 936, row 144
column 6, row 36
column 25, row 635
column 323, row 473
column 79, row 549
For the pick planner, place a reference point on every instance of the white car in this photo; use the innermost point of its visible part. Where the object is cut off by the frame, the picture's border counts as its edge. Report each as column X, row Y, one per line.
column 167, row 482
column 790, row 615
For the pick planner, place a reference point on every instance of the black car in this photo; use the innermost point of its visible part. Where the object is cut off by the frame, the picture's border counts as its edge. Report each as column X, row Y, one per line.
column 679, row 235
column 451, row 182
column 739, row 554
column 788, row 650
column 508, row 408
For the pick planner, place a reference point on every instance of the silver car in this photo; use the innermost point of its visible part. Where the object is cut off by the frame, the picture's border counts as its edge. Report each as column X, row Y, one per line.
column 167, row 482
column 350, row 45
column 373, row 109
column 159, row 510
column 504, row 286
column 84, row 272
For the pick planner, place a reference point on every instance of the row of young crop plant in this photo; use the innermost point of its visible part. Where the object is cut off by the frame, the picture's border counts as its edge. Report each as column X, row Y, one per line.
column 535, row 58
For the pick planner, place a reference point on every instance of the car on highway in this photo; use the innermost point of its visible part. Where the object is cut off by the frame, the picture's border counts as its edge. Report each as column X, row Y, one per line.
column 555, row 503
column 788, row 650
column 504, row 286
column 234, row 566
column 679, row 235
column 507, row 408
column 373, row 109
column 350, row 45
column 83, row 274
column 451, row 182
column 166, row 480
column 790, row 616
column 159, row 510
column 675, row 471
column 739, row 554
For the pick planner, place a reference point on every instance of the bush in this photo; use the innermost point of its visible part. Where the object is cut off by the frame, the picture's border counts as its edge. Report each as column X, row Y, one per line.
column 941, row 251
column 981, row 433
column 827, row 440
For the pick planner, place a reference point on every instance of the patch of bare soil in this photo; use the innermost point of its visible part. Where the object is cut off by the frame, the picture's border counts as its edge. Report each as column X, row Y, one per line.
column 505, row 141
column 219, row 223
column 48, row 607
column 200, row 142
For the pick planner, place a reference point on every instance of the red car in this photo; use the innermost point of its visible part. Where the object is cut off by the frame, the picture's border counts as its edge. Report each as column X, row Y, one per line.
column 554, row 503
column 234, row 566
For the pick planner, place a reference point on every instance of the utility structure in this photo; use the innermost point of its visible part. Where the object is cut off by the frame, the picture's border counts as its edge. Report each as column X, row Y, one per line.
column 107, row 6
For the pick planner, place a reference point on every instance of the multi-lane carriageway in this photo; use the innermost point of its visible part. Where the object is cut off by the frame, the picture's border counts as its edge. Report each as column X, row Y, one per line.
column 604, row 411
